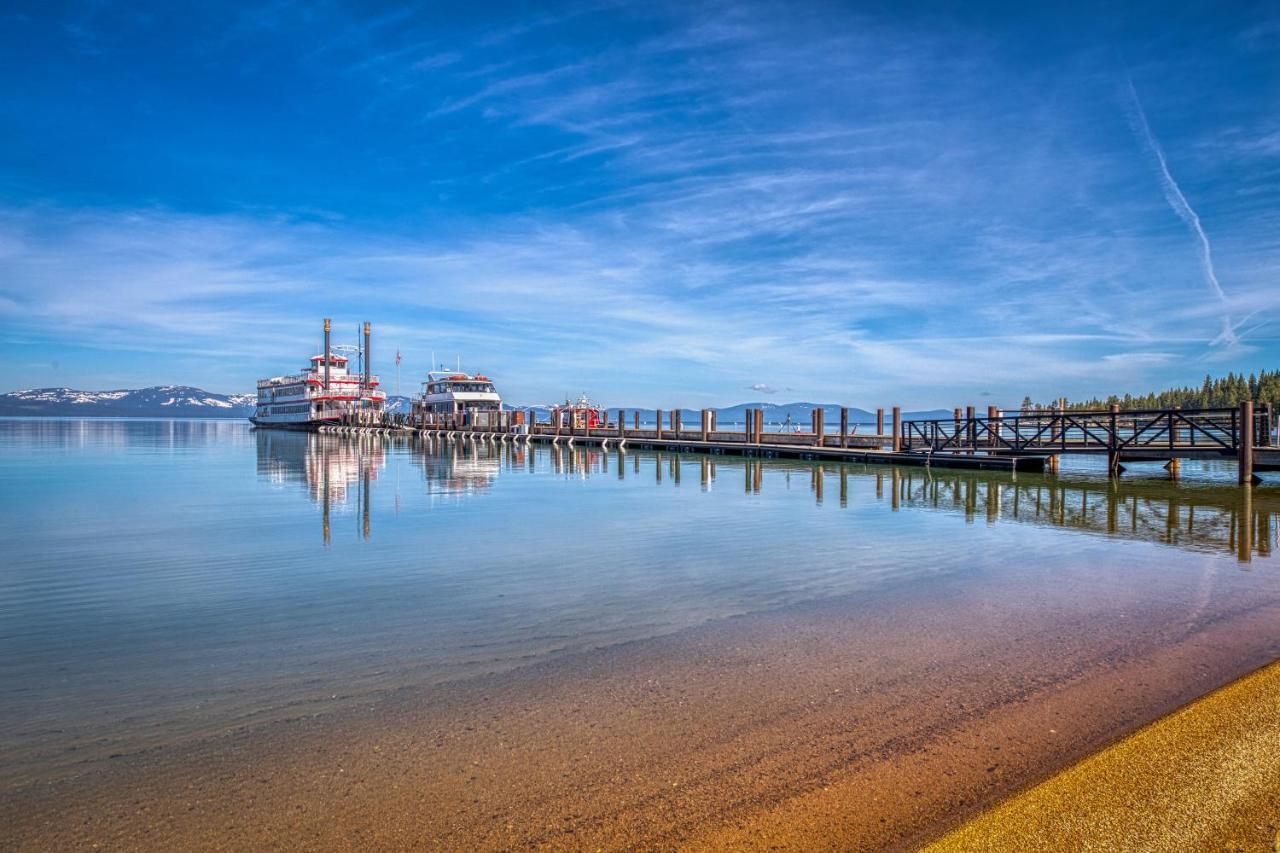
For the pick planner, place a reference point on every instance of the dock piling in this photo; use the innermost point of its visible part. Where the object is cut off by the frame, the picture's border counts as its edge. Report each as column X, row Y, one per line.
column 1246, row 442
column 1113, row 454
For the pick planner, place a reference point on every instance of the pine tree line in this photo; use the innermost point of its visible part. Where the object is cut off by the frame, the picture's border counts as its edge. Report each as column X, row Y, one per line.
column 1229, row 390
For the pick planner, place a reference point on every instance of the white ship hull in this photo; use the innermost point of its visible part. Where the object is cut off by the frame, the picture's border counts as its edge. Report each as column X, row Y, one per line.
column 298, row 422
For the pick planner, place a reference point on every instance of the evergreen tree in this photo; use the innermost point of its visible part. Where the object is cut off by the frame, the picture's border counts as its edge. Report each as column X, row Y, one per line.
column 1231, row 390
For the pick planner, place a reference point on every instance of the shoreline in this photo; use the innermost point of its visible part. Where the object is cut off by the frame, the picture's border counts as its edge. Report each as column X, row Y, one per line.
column 762, row 729
column 1205, row 776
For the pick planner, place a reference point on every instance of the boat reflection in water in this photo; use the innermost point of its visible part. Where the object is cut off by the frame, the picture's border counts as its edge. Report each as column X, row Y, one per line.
column 331, row 467
column 1200, row 516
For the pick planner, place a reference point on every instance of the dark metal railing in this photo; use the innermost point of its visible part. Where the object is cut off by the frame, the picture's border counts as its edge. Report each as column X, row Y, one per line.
column 1088, row 431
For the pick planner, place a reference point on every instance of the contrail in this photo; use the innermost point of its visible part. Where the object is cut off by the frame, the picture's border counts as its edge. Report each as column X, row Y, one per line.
column 1172, row 193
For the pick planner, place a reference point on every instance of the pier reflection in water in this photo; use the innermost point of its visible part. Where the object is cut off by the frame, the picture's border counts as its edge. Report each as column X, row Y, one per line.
column 1204, row 516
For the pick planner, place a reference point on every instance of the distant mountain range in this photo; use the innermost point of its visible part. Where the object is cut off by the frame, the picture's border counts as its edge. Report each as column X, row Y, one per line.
column 161, row 401
column 184, row 401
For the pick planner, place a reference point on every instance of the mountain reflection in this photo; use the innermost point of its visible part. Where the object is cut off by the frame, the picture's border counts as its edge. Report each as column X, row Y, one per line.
column 1194, row 516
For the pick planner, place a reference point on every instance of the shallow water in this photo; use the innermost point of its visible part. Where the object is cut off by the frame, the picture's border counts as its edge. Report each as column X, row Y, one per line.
column 165, row 581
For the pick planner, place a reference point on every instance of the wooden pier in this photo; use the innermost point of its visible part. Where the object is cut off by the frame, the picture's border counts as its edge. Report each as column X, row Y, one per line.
column 1244, row 434
column 751, row 439
column 999, row 441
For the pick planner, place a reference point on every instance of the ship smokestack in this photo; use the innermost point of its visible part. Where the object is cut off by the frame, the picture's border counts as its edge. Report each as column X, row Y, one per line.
column 327, row 353
column 367, row 359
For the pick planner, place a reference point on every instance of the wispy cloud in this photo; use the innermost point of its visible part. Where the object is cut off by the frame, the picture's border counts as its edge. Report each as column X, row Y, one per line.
column 1178, row 202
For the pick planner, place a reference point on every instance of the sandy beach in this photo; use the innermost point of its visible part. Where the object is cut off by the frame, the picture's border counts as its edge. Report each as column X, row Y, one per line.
column 1205, row 777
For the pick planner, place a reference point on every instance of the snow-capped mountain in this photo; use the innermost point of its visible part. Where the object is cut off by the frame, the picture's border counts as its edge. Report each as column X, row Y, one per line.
column 161, row 401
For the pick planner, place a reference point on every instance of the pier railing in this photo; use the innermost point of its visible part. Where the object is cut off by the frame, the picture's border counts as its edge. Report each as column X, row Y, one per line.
column 1134, row 432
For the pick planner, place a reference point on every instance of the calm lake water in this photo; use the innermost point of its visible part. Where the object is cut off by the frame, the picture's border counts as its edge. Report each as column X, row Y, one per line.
column 165, row 581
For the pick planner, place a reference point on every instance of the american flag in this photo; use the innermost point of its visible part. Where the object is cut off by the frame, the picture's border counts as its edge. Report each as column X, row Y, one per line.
column 397, row 358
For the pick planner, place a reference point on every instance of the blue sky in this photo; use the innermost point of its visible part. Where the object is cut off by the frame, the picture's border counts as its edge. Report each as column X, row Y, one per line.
column 659, row 204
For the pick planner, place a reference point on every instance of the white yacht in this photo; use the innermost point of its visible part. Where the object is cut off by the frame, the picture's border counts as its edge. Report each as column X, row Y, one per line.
column 460, row 397
column 324, row 391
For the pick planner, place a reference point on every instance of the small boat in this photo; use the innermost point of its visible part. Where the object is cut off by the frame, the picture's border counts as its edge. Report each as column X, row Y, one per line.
column 582, row 414
column 323, row 392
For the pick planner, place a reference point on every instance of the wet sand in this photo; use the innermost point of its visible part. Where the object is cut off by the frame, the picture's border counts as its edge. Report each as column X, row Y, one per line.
column 876, row 721
column 1206, row 777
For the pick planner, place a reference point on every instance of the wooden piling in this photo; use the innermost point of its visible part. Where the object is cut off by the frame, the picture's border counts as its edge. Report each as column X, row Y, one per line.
column 1244, row 443
column 879, row 421
column 844, row 427
column 1113, row 454
column 897, row 429
column 658, row 422
column 970, row 428
column 819, row 426
column 706, row 425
